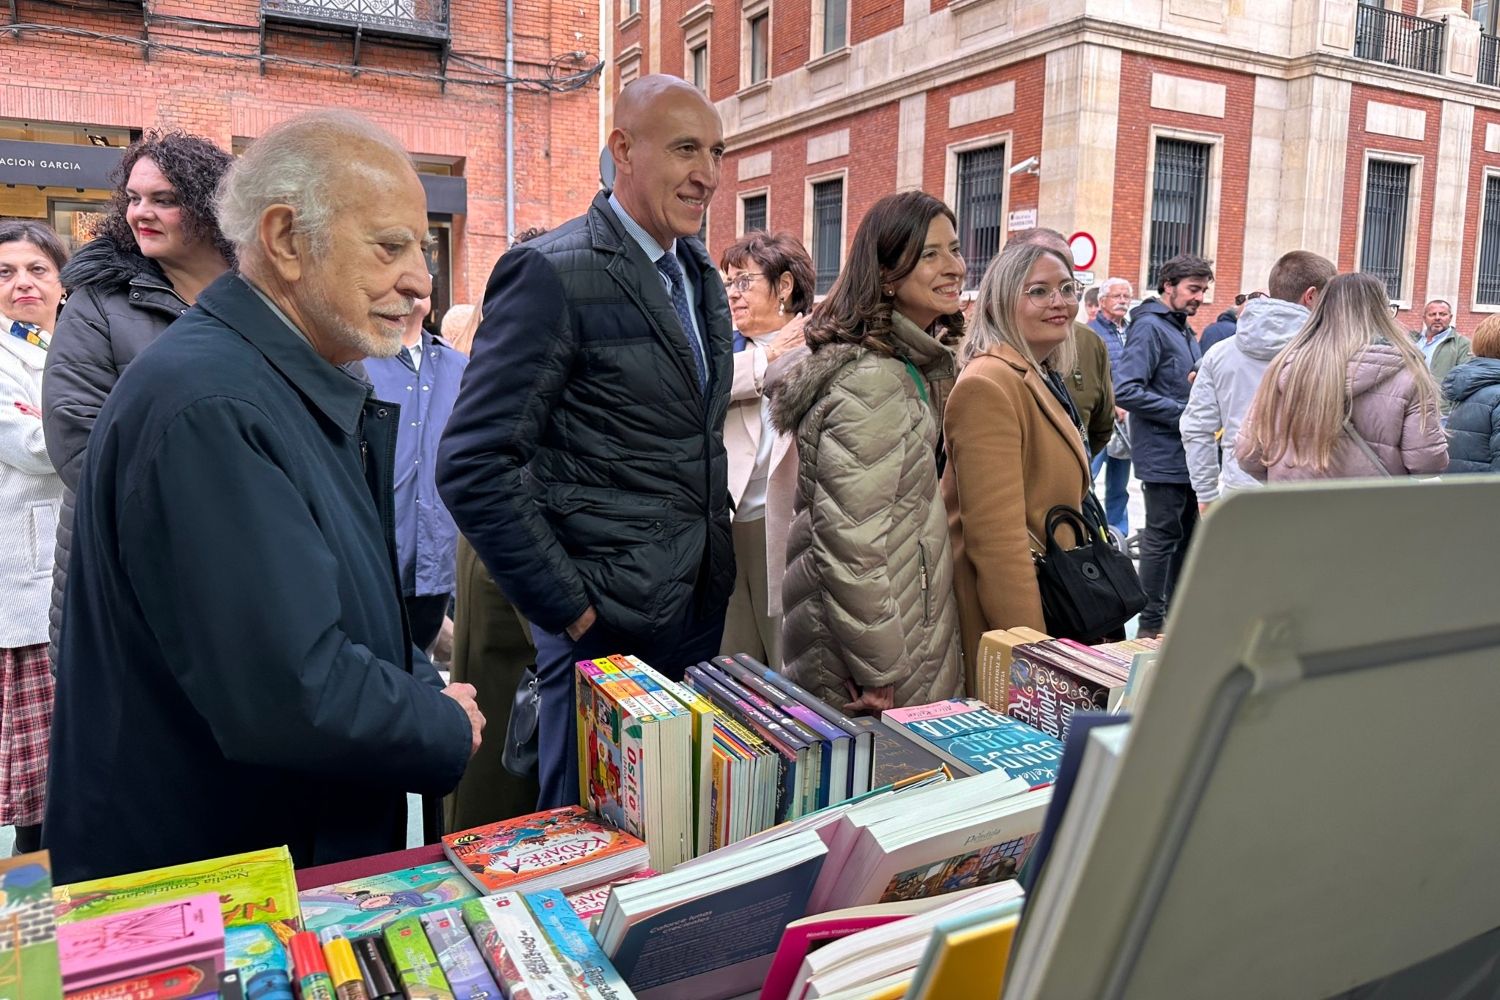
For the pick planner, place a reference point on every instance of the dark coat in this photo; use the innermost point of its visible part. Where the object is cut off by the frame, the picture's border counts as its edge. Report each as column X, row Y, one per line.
column 1153, row 385
column 1474, row 422
column 581, row 460
column 1220, row 329
column 118, row 303
column 236, row 668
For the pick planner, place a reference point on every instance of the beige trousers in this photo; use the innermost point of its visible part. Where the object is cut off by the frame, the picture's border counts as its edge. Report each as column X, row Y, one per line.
column 748, row 628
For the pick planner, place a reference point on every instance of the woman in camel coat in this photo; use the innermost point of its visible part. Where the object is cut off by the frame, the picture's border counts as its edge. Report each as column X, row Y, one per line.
column 1015, row 448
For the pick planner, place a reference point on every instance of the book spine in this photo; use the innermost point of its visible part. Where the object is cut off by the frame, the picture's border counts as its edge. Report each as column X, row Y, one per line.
column 809, row 752
column 459, row 957
column 571, row 940
column 487, row 939
column 788, row 779
column 176, row 983
column 415, row 961
column 541, row 972
column 771, row 702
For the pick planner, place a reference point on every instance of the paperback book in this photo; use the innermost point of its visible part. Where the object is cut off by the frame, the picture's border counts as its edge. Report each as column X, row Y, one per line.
column 28, row 934
column 119, row 946
column 565, row 848
column 362, row 906
column 259, row 887
column 974, row 738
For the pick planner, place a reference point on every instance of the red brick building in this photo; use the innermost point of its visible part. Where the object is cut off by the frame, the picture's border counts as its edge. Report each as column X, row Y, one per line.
column 1369, row 133
column 97, row 72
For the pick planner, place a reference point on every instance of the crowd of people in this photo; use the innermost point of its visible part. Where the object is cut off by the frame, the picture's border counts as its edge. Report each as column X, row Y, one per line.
column 268, row 482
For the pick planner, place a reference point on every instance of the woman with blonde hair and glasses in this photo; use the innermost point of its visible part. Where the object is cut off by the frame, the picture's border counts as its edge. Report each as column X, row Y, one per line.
column 1015, row 446
column 1349, row 396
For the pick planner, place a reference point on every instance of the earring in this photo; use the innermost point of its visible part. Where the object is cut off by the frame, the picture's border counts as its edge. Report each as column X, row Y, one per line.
column 781, row 308
column 887, row 291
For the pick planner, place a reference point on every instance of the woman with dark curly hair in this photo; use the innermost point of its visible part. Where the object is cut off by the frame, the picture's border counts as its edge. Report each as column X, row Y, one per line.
column 869, row 616
column 157, row 249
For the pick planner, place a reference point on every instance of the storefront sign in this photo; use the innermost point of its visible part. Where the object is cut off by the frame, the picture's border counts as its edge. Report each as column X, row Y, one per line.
column 56, row 164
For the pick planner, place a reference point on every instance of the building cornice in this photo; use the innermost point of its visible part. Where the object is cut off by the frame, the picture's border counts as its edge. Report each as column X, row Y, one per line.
column 1087, row 30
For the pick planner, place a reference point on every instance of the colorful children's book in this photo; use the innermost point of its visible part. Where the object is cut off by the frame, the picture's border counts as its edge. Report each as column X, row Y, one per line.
column 459, row 956
column 974, row 738
column 28, row 935
column 259, row 887
column 416, row 963
column 592, row 975
column 566, row 848
column 123, row 945
column 361, row 906
column 517, row 951
column 261, row 959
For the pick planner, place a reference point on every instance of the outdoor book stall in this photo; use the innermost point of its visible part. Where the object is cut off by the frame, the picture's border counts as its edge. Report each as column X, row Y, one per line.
column 1290, row 798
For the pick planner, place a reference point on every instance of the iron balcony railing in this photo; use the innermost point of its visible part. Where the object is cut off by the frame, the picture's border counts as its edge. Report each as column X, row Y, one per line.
column 1489, row 60
column 412, row 18
column 1398, row 39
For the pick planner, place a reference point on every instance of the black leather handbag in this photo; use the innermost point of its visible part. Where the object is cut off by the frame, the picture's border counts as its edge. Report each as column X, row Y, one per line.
column 520, row 754
column 1089, row 591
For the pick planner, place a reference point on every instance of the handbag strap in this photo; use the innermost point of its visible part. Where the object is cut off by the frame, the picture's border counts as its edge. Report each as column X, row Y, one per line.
column 1364, row 446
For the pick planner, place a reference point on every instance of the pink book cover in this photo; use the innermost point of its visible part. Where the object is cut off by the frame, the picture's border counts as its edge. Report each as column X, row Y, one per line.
column 937, row 710
column 796, row 942
column 104, row 949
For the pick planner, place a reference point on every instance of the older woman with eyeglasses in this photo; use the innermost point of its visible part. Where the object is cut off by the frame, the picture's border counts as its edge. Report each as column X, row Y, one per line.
column 769, row 280
column 1015, row 446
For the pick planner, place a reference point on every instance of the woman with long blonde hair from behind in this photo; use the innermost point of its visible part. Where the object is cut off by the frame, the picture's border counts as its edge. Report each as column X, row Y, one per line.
column 1350, row 396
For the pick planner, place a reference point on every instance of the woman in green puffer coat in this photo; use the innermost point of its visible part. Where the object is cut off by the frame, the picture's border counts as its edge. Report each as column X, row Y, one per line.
column 869, row 615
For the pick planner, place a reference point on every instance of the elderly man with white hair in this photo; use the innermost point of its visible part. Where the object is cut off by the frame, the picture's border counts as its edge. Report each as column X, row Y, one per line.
column 237, row 671
column 1109, row 324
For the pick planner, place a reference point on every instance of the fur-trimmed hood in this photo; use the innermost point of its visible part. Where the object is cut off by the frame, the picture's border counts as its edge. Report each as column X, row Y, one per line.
column 105, row 264
column 795, row 394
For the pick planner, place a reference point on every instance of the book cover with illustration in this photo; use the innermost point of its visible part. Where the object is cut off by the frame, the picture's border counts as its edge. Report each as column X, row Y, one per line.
column 415, row 962
column 1046, row 688
column 588, row 970
column 975, row 738
column 459, row 956
column 29, row 967
column 589, row 903
column 565, row 848
column 258, row 887
column 363, row 905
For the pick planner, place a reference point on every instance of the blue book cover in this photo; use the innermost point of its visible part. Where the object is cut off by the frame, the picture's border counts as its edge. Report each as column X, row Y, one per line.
column 726, row 939
column 574, row 944
column 975, row 738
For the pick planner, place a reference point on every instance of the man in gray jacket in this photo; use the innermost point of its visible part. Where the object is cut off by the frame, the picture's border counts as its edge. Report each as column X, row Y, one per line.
column 1231, row 372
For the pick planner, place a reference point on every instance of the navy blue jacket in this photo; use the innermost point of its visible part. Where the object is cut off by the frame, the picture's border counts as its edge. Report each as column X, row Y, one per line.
column 1474, row 421
column 426, row 538
column 236, row 670
column 1220, row 329
column 1153, row 385
column 1114, row 341
column 582, row 461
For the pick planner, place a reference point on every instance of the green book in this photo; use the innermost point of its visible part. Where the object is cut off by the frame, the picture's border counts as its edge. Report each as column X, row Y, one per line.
column 416, row 963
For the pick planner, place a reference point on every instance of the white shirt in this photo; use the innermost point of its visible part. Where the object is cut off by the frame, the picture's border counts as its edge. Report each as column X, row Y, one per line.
column 752, row 505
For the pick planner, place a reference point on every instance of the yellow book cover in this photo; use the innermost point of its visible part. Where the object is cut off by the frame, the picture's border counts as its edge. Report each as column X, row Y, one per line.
column 259, row 887
column 991, row 674
column 966, row 957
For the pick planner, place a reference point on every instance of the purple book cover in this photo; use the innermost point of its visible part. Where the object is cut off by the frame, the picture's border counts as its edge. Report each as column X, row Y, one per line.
column 103, row 949
column 459, row 956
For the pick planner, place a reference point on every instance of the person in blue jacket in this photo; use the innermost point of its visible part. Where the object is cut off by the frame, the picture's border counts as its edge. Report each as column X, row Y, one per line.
column 423, row 380
column 236, row 672
column 1152, row 384
column 1473, row 389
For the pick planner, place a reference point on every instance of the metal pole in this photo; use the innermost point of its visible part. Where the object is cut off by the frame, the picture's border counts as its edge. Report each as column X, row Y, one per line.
column 510, row 122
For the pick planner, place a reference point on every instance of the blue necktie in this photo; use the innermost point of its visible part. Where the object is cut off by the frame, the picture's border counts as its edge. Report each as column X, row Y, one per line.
column 668, row 266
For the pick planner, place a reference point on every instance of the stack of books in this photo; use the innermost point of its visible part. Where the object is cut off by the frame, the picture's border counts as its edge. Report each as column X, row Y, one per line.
column 695, row 767
column 972, row 738
column 1042, row 681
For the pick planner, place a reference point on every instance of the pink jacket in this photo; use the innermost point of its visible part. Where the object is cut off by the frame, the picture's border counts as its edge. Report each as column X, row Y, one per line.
column 1405, row 435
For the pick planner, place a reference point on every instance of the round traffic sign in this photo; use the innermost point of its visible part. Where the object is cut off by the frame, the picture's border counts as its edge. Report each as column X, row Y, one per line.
column 1084, row 249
